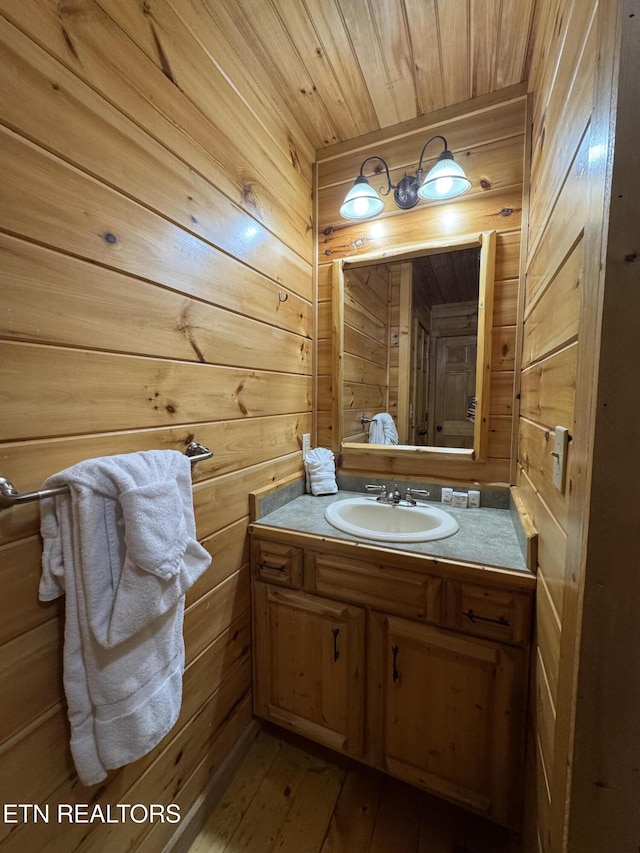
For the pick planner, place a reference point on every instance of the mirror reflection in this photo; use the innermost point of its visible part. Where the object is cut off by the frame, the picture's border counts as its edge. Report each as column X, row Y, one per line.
column 410, row 349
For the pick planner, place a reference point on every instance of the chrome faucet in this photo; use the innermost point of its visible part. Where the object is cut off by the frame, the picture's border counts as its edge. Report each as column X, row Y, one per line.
column 391, row 495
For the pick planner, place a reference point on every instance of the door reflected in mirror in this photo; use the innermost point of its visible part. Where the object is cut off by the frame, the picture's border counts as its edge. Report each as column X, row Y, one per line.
column 412, row 339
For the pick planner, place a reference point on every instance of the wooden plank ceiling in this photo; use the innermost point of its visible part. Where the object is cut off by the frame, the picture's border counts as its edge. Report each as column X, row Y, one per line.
column 445, row 278
column 349, row 67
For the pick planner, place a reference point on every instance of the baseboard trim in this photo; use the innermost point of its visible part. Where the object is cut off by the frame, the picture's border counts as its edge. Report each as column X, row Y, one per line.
column 199, row 813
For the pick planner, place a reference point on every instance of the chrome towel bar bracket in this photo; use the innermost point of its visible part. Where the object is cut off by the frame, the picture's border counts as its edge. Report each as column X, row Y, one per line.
column 10, row 496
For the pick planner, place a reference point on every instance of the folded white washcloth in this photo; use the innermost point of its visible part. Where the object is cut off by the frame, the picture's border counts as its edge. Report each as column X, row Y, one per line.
column 321, row 471
column 383, row 430
column 121, row 546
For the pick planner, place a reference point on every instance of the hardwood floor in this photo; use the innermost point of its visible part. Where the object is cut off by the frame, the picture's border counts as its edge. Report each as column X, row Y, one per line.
column 291, row 796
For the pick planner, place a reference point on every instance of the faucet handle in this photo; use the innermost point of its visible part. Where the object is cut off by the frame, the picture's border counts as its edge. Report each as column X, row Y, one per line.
column 381, row 490
column 412, row 493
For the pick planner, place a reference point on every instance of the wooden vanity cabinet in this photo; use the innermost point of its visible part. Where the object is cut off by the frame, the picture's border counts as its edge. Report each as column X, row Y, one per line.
column 442, row 701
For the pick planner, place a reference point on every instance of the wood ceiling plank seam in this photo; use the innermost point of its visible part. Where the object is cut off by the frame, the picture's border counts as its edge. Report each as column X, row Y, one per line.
column 455, row 50
column 321, row 95
column 331, row 32
column 514, row 43
column 413, row 65
column 278, row 58
column 428, row 61
column 359, row 25
column 494, row 70
column 295, row 19
column 484, row 24
column 389, row 21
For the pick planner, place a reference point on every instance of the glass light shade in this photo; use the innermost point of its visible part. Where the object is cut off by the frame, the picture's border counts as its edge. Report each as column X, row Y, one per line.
column 445, row 180
column 362, row 201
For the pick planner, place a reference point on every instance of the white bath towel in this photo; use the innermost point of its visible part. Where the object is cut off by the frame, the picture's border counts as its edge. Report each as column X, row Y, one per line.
column 383, row 430
column 122, row 547
column 320, row 467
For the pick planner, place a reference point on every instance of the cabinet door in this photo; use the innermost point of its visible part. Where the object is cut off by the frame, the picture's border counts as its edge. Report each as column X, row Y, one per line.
column 446, row 712
column 309, row 666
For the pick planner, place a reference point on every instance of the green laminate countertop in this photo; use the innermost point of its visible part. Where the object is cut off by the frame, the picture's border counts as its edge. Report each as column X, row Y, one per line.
column 487, row 536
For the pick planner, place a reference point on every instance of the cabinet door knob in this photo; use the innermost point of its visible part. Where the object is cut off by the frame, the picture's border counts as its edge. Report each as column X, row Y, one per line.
column 395, row 674
column 336, row 653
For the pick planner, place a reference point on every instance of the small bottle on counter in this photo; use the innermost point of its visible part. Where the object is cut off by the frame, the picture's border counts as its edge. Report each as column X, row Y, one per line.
column 459, row 499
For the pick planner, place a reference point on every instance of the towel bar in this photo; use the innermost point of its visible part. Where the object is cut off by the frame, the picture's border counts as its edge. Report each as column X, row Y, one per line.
column 9, row 496
column 364, row 420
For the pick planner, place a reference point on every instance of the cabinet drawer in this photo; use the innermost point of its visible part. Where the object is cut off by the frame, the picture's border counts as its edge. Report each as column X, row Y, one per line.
column 485, row 611
column 277, row 563
column 398, row 591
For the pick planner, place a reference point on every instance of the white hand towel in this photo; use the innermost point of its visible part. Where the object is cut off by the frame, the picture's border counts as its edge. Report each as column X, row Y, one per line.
column 383, row 430
column 321, row 471
column 122, row 547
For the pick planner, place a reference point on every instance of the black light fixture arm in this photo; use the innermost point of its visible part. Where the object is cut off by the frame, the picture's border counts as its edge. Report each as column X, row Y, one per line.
column 390, row 186
column 405, row 192
column 427, row 143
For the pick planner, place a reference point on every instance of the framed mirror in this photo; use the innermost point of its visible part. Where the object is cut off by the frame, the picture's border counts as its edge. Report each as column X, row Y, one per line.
column 412, row 340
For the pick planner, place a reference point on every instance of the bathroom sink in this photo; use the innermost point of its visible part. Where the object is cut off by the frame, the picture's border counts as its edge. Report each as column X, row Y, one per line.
column 371, row 519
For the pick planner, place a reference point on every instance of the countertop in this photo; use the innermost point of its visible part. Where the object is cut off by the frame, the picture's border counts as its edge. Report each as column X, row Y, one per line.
column 486, row 536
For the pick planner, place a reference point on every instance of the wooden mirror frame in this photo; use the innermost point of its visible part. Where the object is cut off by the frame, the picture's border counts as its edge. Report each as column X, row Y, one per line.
column 486, row 241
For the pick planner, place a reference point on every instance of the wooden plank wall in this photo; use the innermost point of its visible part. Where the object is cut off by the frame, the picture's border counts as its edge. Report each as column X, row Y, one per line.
column 487, row 137
column 156, row 285
column 366, row 344
column 558, row 366
column 604, row 784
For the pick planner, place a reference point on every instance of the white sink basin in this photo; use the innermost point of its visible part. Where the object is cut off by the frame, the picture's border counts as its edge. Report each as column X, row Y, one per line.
column 371, row 519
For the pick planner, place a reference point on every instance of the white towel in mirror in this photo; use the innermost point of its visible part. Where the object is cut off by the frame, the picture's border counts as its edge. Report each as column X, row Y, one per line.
column 383, row 430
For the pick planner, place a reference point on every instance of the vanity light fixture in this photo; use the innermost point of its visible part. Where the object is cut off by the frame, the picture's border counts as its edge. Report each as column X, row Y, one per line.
column 445, row 180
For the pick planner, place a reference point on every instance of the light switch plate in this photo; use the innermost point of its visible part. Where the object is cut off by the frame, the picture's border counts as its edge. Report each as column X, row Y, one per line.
column 559, row 454
column 306, row 443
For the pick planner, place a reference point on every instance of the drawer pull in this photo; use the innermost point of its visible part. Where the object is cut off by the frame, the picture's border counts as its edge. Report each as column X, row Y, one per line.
column 336, row 653
column 268, row 566
column 474, row 617
column 395, row 674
